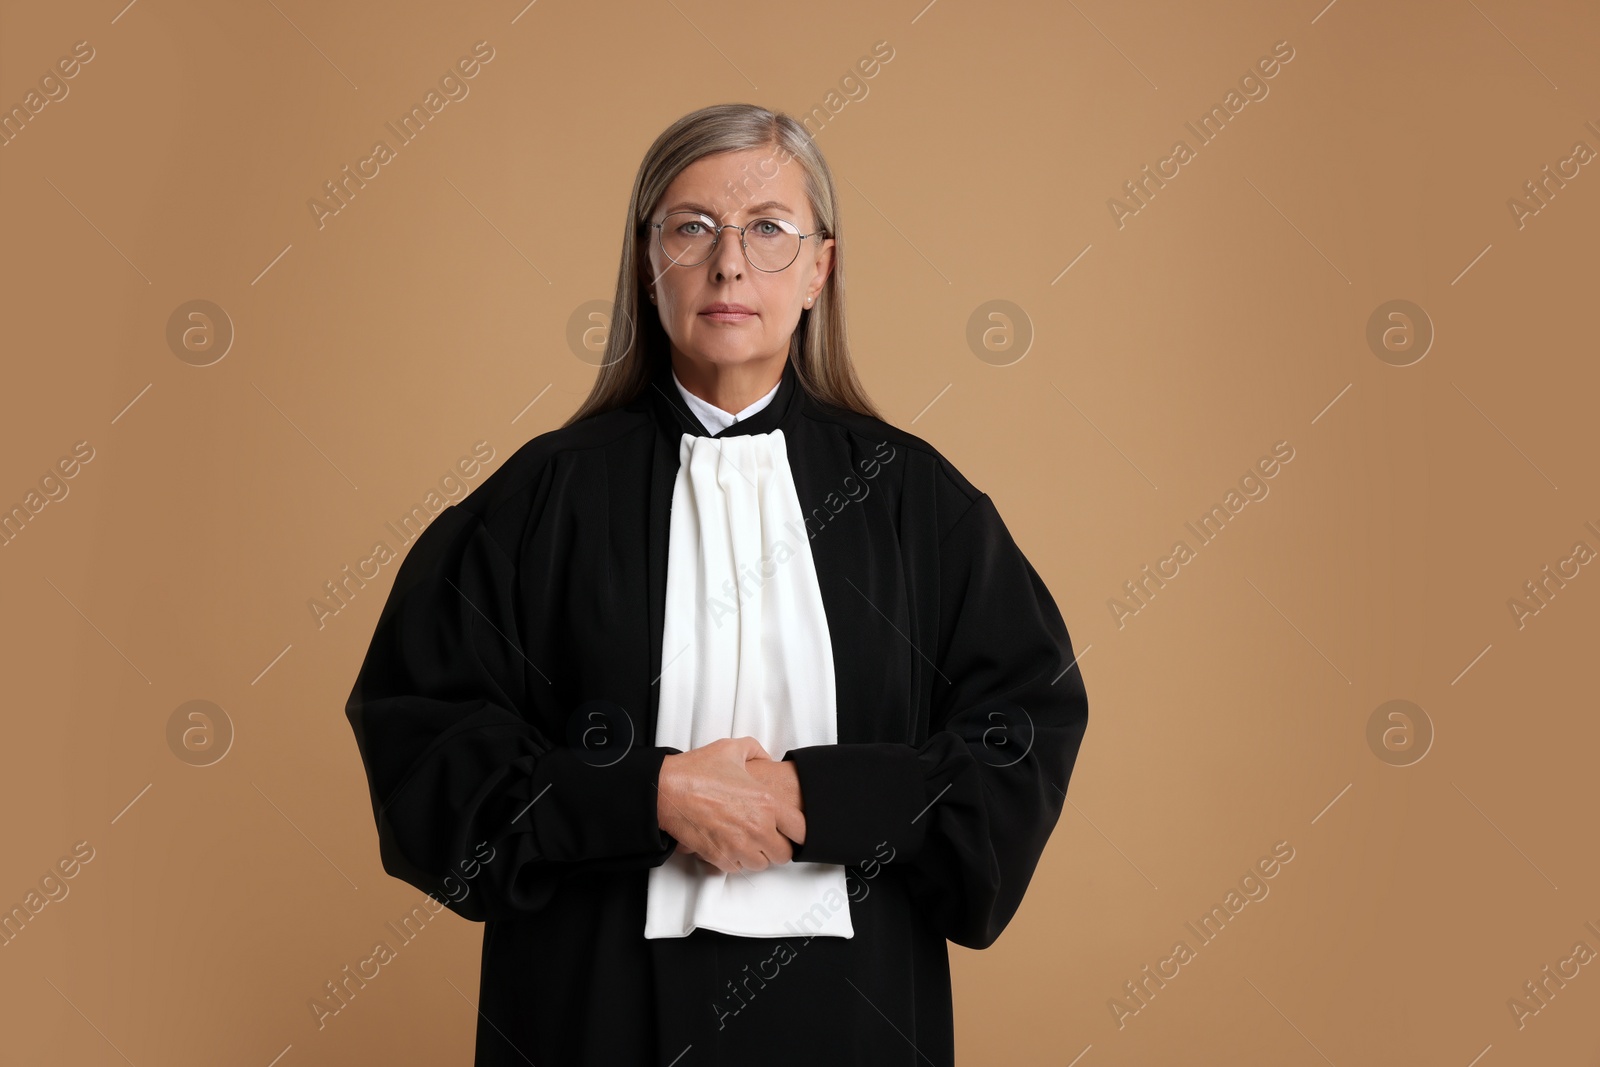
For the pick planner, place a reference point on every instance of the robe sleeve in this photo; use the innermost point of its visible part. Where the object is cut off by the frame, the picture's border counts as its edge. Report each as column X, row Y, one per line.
column 967, row 812
column 474, row 803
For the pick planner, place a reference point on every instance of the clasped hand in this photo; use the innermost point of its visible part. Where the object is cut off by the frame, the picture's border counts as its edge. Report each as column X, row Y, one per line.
column 731, row 804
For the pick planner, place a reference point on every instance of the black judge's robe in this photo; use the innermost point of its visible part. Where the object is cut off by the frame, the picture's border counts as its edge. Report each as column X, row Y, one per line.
column 960, row 714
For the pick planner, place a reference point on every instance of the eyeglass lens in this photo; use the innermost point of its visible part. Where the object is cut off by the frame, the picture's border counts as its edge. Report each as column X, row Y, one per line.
column 771, row 244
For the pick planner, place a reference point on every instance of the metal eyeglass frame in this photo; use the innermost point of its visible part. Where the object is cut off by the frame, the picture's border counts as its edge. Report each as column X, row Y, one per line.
column 716, row 238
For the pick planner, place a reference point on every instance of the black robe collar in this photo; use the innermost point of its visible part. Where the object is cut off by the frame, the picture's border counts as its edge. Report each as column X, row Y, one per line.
column 675, row 416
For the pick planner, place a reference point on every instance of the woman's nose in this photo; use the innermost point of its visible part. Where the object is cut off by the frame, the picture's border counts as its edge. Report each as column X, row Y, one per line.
column 728, row 259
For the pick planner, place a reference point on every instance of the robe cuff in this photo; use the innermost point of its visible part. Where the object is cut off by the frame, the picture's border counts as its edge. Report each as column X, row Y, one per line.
column 594, row 810
column 857, row 798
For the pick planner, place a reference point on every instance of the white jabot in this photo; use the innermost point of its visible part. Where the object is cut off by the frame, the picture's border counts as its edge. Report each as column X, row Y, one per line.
column 745, row 652
column 715, row 417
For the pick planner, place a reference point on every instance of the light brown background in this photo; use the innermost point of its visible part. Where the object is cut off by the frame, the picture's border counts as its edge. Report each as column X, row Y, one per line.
column 1226, row 316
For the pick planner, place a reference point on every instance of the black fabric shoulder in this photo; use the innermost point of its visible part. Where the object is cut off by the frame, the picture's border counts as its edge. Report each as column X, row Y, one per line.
column 953, row 493
column 508, row 497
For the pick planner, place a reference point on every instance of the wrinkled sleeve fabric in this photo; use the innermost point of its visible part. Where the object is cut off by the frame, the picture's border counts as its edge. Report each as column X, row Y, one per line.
column 474, row 804
column 967, row 812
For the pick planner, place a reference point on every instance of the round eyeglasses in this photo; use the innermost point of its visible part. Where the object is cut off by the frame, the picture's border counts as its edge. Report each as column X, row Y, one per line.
column 688, row 238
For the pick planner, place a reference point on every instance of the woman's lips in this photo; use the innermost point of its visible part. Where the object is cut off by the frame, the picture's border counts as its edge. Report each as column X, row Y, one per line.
column 727, row 316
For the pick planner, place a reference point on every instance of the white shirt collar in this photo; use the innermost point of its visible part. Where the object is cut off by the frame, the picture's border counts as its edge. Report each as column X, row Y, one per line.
column 714, row 417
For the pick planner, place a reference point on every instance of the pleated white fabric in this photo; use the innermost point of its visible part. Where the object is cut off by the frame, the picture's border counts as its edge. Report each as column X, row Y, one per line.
column 745, row 652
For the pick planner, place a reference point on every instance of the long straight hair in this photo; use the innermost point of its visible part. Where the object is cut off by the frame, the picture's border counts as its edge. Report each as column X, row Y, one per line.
column 637, row 343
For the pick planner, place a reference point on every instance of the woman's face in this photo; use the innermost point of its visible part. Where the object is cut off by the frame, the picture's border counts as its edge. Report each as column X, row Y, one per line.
column 736, row 187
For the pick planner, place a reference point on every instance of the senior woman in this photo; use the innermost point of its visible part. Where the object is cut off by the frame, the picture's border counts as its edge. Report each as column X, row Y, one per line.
column 726, row 704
